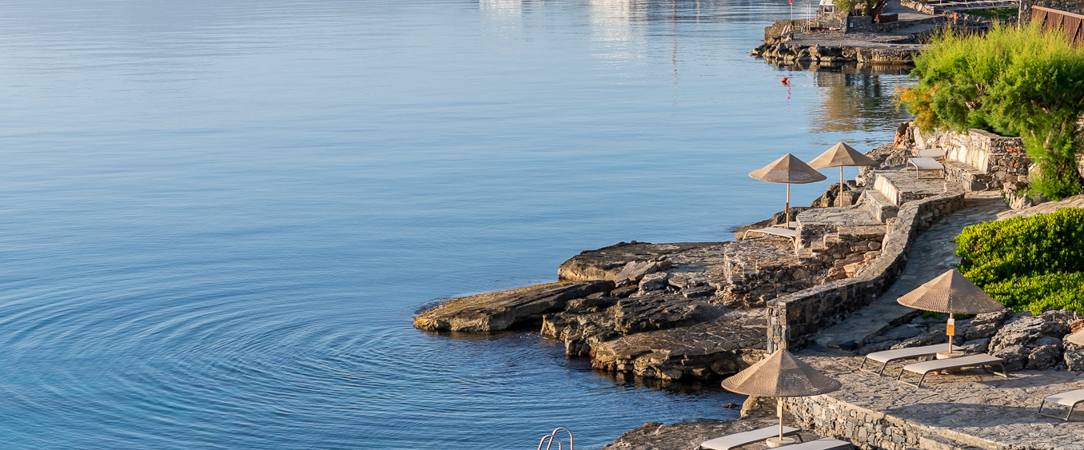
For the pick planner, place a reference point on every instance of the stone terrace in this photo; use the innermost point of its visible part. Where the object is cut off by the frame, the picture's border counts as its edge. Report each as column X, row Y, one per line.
column 972, row 409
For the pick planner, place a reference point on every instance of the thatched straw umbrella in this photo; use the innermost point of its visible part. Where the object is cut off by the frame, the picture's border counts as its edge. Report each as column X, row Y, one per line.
column 788, row 169
column 838, row 156
column 950, row 293
column 780, row 375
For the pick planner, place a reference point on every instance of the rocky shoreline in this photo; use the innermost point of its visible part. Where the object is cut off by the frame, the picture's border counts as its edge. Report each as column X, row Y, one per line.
column 697, row 312
column 831, row 38
column 686, row 312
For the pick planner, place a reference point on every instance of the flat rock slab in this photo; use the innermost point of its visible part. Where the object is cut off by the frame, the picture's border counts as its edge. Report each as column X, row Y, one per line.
column 496, row 311
column 705, row 350
column 688, row 435
column 607, row 262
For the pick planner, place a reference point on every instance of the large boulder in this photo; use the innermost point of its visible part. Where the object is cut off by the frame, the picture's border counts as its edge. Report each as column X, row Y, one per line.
column 1031, row 342
column 1015, row 340
column 1074, row 357
column 984, row 326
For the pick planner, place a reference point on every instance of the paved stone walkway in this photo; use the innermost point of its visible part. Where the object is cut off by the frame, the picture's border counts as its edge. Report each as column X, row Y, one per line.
column 932, row 254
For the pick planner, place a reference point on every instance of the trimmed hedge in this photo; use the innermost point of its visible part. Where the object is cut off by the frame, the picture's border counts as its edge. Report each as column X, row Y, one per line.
column 1041, row 293
column 1028, row 263
column 1022, row 247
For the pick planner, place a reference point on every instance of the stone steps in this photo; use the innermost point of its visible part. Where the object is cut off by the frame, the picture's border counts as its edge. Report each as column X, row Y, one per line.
column 900, row 186
column 970, row 178
column 880, row 207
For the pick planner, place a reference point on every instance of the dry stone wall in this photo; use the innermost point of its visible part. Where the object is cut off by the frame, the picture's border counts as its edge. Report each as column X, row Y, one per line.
column 832, row 417
column 999, row 160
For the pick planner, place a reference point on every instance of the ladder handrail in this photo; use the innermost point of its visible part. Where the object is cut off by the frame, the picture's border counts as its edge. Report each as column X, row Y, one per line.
column 550, row 444
column 553, row 436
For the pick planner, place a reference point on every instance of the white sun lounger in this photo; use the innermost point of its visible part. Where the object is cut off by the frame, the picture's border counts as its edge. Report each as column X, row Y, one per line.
column 819, row 444
column 887, row 356
column 1069, row 399
column 930, row 153
column 775, row 231
column 923, row 164
column 739, row 439
column 981, row 360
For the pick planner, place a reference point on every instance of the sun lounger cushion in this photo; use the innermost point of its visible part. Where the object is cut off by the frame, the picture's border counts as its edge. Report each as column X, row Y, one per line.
column 819, row 444
column 1068, row 398
column 980, row 360
column 777, row 231
column 887, row 356
column 923, row 163
column 931, row 153
column 739, row 439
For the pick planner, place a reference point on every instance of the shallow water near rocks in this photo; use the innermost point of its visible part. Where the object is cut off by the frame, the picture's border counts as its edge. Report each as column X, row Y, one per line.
column 218, row 218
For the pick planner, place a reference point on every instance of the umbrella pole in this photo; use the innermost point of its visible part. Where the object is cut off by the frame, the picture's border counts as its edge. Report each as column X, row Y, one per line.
column 840, row 186
column 779, row 405
column 950, row 330
column 786, row 212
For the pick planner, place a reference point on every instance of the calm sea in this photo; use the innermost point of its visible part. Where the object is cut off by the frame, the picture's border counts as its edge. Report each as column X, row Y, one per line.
column 217, row 219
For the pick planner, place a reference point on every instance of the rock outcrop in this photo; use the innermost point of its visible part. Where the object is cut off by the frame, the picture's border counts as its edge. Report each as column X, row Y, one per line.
column 786, row 50
column 689, row 435
column 595, row 319
column 496, row 311
column 1032, row 342
column 706, row 350
column 624, row 259
column 678, row 436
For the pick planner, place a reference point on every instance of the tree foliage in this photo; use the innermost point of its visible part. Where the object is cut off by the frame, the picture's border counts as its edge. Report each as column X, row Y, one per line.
column 869, row 7
column 1012, row 81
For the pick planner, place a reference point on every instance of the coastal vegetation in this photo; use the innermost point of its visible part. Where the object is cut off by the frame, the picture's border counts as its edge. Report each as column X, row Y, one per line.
column 1012, row 81
column 1028, row 263
column 999, row 14
column 869, row 7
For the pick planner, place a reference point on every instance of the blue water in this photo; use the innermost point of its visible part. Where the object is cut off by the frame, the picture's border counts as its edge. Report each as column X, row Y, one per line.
column 217, row 219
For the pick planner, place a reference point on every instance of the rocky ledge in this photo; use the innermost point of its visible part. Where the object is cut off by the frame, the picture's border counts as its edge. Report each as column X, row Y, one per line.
column 674, row 312
column 755, row 413
column 786, row 50
column 651, row 310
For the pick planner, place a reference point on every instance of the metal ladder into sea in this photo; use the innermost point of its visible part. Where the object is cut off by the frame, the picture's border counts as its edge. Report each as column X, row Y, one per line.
column 550, row 438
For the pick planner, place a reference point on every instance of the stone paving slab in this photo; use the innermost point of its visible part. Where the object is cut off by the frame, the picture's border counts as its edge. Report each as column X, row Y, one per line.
column 1043, row 208
column 973, row 408
column 932, row 253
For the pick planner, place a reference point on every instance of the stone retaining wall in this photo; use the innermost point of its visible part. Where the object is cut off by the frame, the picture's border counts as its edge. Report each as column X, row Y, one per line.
column 1003, row 158
column 981, row 160
column 828, row 416
column 793, row 318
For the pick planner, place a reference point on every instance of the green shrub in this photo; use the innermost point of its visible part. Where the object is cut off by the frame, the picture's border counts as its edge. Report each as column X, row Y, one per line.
column 1041, row 292
column 1022, row 247
column 1017, row 82
column 1001, row 14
